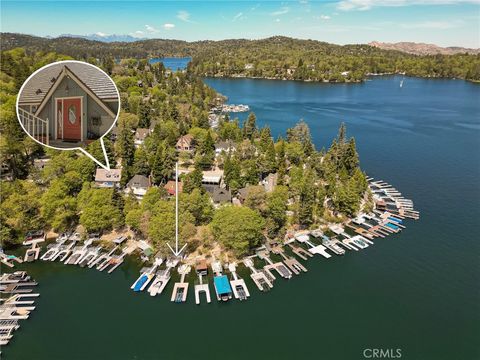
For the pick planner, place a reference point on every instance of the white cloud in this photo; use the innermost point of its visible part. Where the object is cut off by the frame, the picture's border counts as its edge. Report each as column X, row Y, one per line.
column 102, row 34
column 282, row 11
column 184, row 16
column 168, row 26
column 151, row 29
column 238, row 16
column 325, row 17
column 138, row 33
column 277, row 20
column 362, row 5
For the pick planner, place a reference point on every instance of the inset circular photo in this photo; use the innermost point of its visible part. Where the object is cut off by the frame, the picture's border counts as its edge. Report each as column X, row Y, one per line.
column 68, row 104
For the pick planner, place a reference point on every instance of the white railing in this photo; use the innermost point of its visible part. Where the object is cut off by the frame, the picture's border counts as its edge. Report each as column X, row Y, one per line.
column 36, row 127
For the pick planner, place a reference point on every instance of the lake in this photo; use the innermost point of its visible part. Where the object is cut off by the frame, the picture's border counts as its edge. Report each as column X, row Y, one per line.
column 173, row 64
column 416, row 291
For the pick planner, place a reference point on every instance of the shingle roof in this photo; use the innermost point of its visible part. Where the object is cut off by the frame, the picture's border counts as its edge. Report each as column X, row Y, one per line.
column 139, row 181
column 38, row 86
column 221, row 195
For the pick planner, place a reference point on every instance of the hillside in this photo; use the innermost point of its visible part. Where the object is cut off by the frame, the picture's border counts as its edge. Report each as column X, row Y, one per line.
column 276, row 57
column 423, row 49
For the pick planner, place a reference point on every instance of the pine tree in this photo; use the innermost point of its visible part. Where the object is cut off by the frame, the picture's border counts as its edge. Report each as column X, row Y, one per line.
column 140, row 163
column 250, row 127
column 144, row 115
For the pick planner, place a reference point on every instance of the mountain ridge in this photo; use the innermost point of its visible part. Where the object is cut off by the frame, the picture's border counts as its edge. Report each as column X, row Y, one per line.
column 423, row 48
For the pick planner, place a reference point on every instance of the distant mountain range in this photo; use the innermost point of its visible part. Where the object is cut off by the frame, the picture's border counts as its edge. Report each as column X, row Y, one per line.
column 423, row 49
column 101, row 37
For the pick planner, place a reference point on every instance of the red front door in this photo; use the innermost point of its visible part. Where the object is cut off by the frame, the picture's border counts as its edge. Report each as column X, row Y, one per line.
column 72, row 122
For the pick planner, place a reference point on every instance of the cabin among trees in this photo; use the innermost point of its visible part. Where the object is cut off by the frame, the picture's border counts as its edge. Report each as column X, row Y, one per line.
column 68, row 103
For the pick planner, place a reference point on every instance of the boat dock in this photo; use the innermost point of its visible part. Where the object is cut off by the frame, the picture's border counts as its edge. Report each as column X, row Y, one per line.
column 78, row 253
column 314, row 249
column 180, row 289
column 279, row 267
column 64, row 252
column 293, row 264
column 103, row 258
column 201, row 287
column 146, row 275
column 300, row 252
column 8, row 259
column 33, row 253
column 240, row 290
column 90, row 256
column 16, row 307
column 259, row 278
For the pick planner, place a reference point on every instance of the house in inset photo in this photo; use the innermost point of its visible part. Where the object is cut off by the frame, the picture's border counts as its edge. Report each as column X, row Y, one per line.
column 68, row 104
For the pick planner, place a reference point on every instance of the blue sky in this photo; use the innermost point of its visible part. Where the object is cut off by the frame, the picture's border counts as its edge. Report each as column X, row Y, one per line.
column 442, row 22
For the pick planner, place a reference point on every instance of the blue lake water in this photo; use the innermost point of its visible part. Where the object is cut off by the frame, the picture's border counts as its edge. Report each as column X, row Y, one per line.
column 173, row 64
column 417, row 291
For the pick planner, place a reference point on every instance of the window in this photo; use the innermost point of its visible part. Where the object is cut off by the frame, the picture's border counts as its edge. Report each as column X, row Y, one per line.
column 72, row 111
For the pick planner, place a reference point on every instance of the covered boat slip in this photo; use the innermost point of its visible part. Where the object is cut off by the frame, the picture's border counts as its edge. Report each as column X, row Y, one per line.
column 68, row 104
column 222, row 287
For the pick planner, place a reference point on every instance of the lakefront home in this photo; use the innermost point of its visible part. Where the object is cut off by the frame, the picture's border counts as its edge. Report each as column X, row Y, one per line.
column 138, row 186
column 108, row 178
column 68, row 104
column 185, row 143
column 140, row 136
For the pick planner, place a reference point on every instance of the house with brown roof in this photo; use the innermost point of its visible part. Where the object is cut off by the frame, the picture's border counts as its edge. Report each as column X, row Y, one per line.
column 68, row 103
column 185, row 143
column 108, row 178
column 140, row 136
column 170, row 187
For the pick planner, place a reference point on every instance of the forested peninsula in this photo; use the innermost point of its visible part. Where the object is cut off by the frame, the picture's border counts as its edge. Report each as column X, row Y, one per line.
column 267, row 186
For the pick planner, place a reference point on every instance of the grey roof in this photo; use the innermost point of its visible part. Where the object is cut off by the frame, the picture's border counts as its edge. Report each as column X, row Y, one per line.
column 243, row 193
column 38, row 86
column 224, row 145
column 221, row 195
column 139, row 181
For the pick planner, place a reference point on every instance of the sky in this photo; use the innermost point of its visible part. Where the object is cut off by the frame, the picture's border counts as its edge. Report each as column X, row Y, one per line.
column 441, row 22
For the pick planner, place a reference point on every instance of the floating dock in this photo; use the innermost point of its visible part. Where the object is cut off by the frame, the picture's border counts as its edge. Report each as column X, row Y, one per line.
column 16, row 307
column 202, row 288
column 240, row 290
column 259, row 278
column 314, row 249
column 300, row 252
column 180, row 289
column 160, row 282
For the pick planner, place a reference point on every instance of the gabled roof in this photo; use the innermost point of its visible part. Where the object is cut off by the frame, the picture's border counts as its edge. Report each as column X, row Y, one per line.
column 139, row 181
column 221, row 195
column 170, row 187
column 185, row 141
column 37, row 88
column 141, row 134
